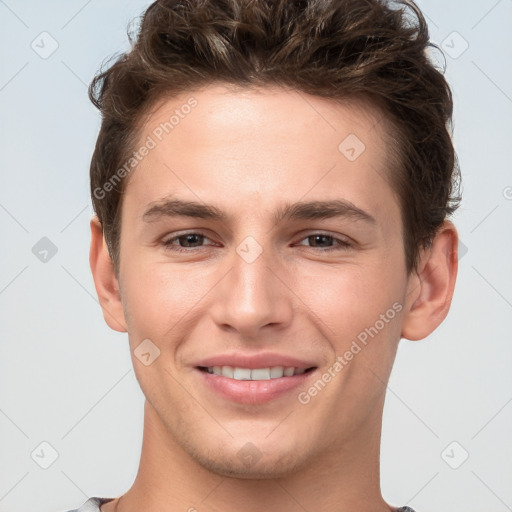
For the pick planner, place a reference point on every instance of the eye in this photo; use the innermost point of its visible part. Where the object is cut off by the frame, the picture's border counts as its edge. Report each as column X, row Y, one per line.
column 322, row 238
column 188, row 242
column 185, row 242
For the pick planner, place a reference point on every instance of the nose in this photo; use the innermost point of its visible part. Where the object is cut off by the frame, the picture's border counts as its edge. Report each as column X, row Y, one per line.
column 253, row 299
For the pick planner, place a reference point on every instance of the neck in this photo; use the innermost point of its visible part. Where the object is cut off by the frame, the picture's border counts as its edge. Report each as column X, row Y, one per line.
column 344, row 478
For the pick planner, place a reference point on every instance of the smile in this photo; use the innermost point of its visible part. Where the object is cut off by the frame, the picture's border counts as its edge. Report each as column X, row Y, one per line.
column 237, row 373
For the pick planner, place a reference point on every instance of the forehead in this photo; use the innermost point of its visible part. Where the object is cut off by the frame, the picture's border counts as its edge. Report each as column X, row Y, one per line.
column 238, row 111
column 221, row 144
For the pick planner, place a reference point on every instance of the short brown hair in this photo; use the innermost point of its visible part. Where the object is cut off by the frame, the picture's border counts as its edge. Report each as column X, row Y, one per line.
column 336, row 49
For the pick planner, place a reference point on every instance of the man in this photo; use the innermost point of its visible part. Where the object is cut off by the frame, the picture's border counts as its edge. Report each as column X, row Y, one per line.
column 272, row 182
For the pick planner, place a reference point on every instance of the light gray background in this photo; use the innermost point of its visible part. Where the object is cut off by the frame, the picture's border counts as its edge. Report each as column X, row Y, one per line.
column 67, row 380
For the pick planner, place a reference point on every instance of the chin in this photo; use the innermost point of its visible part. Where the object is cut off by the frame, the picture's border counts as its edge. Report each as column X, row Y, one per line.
column 260, row 466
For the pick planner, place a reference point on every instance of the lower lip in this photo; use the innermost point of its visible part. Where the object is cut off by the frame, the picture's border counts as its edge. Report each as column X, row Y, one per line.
column 253, row 392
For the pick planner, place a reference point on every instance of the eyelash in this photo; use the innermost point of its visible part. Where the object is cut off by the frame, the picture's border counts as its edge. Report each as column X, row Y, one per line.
column 168, row 244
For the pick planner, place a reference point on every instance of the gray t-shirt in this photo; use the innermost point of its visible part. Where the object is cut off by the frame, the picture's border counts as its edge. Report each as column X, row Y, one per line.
column 93, row 505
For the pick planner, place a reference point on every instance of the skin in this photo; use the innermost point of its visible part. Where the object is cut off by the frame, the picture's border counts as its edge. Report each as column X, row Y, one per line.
column 247, row 152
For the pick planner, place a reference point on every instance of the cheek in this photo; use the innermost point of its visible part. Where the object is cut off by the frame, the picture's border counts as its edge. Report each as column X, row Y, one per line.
column 348, row 300
column 159, row 297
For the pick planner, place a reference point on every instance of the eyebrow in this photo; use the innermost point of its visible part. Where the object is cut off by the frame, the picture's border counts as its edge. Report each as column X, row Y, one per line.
column 289, row 211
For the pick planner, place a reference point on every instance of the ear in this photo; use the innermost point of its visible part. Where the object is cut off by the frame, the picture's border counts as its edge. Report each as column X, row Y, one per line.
column 430, row 287
column 105, row 280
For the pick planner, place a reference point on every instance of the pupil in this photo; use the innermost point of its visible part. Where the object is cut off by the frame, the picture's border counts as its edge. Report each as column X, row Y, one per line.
column 189, row 239
column 317, row 238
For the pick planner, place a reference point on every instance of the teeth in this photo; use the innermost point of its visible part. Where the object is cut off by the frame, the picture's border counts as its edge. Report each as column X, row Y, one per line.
column 242, row 374
column 262, row 374
column 227, row 371
column 288, row 372
column 275, row 372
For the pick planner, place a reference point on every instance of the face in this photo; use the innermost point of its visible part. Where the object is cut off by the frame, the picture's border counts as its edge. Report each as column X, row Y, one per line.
column 290, row 257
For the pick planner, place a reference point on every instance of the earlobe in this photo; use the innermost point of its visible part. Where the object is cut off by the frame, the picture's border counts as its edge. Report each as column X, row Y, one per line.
column 105, row 280
column 430, row 289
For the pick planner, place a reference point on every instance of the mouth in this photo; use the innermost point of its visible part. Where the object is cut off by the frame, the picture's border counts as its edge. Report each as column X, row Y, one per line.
column 255, row 374
column 255, row 386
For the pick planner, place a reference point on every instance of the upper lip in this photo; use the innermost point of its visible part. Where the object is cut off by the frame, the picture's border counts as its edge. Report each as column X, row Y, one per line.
column 262, row 360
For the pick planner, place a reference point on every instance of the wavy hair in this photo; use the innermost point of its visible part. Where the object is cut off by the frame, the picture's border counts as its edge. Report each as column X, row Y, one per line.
column 337, row 49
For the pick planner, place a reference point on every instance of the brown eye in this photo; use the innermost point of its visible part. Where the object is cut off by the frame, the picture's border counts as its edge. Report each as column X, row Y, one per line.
column 325, row 242
column 185, row 242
